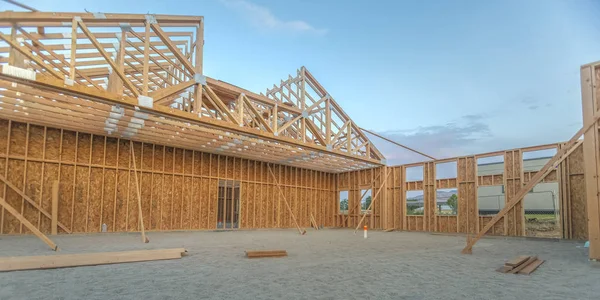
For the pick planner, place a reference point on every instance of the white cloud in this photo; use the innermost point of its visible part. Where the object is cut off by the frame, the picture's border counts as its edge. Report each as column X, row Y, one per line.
column 264, row 19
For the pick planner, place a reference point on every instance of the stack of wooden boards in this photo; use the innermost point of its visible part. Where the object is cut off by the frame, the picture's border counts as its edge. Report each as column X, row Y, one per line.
column 266, row 253
column 521, row 265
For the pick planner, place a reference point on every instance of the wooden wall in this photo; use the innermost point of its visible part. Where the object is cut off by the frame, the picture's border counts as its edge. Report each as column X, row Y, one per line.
column 179, row 187
column 354, row 182
column 569, row 175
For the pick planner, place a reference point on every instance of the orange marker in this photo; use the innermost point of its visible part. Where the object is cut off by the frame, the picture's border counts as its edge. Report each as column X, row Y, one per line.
column 365, row 231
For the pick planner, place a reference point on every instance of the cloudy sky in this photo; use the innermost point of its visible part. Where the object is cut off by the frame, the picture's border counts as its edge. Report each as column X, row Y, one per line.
column 445, row 77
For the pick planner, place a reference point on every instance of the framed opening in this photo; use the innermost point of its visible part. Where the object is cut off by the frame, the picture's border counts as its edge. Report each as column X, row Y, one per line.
column 365, row 201
column 542, row 211
column 414, row 203
column 343, row 202
column 492, row 165
column 446, row 170
column 228, row 208
column 534, row 161
column 490, row 199
column 446, row 201
column 414, row 173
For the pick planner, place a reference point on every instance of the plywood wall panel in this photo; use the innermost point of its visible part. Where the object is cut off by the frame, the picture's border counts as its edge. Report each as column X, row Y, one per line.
column 33, row 185
column 94, row 199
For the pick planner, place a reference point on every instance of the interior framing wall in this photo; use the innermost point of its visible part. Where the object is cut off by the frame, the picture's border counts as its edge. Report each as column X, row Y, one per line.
column 569, row 175
column 590, row 88
column 178, row 187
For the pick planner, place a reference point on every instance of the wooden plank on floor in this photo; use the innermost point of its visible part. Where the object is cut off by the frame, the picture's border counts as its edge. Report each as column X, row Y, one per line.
column 86, row 259
column 531, row 267
column 517, row 260
column 266, row 253
column 523, row 265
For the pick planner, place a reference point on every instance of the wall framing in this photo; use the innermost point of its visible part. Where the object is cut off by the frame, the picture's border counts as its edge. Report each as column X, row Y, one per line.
column 179, row 186
column 569, row 175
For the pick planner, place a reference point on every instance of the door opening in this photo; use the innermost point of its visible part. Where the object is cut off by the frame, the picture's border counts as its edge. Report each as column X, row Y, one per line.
column 229, row 204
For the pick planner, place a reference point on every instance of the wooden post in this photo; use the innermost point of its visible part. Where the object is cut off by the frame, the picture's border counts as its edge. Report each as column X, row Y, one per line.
column 590, row 157
column 139, row 197
column 55, row 208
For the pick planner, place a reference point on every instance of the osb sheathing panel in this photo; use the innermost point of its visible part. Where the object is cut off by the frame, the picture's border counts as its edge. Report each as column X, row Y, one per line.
column 513, row 173
column 490, row 180
column 447, row 224
column 468, row 212
column 354, row 182
column 577, row 195
column 178, row 187
column 429, row 196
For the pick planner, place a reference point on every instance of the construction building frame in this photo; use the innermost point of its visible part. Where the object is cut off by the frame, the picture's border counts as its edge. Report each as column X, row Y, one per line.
column 108, row 123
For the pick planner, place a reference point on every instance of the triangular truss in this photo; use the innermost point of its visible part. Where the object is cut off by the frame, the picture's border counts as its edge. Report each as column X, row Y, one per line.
column 140, row 77
column 322, row 120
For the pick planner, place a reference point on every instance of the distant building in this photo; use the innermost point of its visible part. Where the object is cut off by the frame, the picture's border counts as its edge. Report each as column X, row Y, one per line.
column 541, row 200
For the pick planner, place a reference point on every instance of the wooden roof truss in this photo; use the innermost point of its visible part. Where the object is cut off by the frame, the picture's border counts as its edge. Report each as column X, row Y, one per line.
column 140, row 77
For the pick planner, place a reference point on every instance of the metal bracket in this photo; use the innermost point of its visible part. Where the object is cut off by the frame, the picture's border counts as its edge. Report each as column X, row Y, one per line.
column 151, row 19
column 99, row 15
column 199, row 78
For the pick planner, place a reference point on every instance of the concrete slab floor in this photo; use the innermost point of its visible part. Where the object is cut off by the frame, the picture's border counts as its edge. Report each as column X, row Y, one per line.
column 325, row 264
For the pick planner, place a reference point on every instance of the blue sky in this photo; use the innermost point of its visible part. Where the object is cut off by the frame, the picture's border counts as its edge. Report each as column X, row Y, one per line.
column 446, row 77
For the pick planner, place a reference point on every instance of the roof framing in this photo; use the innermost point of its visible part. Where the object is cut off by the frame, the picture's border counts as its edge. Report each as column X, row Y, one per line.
column 124, row 75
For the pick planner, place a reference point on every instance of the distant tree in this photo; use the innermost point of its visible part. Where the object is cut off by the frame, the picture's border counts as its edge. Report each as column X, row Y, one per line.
column 453, row 202
column 367, row 203
column 344, row 205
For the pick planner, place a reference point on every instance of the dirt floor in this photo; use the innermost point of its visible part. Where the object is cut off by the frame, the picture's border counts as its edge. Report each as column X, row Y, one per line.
column 326, row 264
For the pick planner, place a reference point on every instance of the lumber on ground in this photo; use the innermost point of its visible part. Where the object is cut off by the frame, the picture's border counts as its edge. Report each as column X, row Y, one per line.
column 561, row 155
column 88, row 259
column 523, row 265
column 28, row 224
column 517, row 260
column 266, row 253
column 531, row 267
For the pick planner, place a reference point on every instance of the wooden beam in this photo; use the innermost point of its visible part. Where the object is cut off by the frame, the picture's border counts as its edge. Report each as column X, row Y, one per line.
column 591, row 138
column 54, row 223
column 257, row 115
column 145, row 63
column 222, row 107
column 28, row 224
column 172, row 90
column 28, row 199
column 165, row 39
column 266, row 253
column 29, row 55
column 86, row 259
column 108, row 59
column 315, row 131
column 398, row 144
column 139, row 196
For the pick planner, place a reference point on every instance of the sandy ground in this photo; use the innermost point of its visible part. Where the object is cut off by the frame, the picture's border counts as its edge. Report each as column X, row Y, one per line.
column 326, row 264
